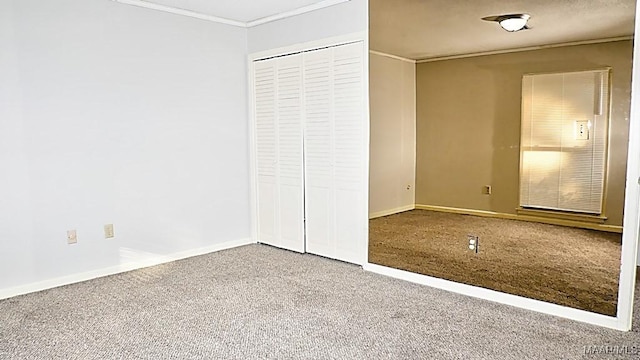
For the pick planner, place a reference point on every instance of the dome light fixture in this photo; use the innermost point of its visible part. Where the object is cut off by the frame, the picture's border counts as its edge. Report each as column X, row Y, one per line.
column 510, row 22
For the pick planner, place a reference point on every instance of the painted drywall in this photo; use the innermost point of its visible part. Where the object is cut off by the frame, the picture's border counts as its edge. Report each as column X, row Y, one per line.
column 468, row 124
column 392, row 156
column 113, row 114
column 344, row 18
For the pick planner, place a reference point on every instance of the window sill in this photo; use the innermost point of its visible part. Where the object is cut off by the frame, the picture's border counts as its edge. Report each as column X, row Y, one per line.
column 564, row 215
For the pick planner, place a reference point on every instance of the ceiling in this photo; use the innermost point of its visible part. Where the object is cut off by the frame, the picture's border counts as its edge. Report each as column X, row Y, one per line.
column 236, row 12
column 427, row 29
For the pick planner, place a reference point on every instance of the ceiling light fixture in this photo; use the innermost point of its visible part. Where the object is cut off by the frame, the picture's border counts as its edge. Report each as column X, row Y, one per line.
column 510, row 22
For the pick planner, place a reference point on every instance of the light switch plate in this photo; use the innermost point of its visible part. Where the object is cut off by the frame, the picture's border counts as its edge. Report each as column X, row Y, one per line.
column 582, row 130
column 108, row 231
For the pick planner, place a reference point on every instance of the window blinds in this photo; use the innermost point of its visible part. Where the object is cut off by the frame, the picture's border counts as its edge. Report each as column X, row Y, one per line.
column 564, row 141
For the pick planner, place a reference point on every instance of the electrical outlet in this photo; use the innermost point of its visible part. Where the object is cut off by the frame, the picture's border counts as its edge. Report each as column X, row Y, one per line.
column 474, row 243
column 108, row 231
column 486, row 189
column 409, row 187
column 72, row 237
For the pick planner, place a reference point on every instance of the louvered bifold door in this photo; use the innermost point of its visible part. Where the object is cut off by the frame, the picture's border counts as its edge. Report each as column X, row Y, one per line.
column 334, row 152
column 266, row 146
column 290, row 157
column 278, row 135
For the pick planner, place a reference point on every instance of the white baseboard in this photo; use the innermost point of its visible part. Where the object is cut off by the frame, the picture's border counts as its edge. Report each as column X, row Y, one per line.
column 155, row 260
column 539, row 219
column 378, row 214
column 499, row 297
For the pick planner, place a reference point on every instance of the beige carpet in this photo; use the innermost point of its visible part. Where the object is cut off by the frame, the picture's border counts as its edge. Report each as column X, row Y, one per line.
column 257, row 302
column 567, row 266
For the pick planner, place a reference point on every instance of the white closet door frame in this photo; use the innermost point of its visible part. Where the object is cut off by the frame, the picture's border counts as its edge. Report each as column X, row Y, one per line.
column 363, row 244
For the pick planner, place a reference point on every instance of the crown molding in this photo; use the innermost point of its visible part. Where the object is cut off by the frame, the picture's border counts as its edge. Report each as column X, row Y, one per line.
column 540, row 47
column 220, row 20
column 177, row 11
column 305, row 9
column 396, row 57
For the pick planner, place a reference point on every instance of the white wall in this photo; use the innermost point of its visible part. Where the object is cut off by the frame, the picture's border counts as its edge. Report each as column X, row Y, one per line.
column 392, row 154
column 341, row 19
column 117, row 114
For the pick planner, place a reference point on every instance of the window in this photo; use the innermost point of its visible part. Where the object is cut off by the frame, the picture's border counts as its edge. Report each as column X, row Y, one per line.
column 564, row 141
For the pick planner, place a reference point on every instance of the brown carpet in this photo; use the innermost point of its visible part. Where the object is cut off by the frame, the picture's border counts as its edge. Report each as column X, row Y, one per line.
column 567, row 266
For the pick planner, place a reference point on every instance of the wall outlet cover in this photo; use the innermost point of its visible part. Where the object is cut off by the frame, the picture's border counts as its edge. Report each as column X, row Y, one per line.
column 474, row 242
column 72, row 237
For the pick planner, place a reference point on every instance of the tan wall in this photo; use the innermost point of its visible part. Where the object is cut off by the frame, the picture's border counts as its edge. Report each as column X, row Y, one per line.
column 468, row 124
column 393, row 134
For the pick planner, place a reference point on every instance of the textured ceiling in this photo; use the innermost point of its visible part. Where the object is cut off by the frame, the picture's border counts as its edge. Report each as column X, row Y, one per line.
column 238, row 10
column 423, row 29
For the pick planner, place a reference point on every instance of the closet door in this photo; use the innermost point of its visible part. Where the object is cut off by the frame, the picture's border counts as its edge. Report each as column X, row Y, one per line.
column 290, row 156
column 279, row 158
column 334, row 152
column 266, row 146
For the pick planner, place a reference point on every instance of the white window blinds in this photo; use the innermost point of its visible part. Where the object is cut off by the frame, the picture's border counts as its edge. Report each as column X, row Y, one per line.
column 564, row 141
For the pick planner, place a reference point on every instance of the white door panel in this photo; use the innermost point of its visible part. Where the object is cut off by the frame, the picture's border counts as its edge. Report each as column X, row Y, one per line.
column 265, row 138
column 319, row 225
column 290, row 152
column 267, row 218
column 291, row 217
column 310, row 143
column 278, row 113
column 334, row 152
